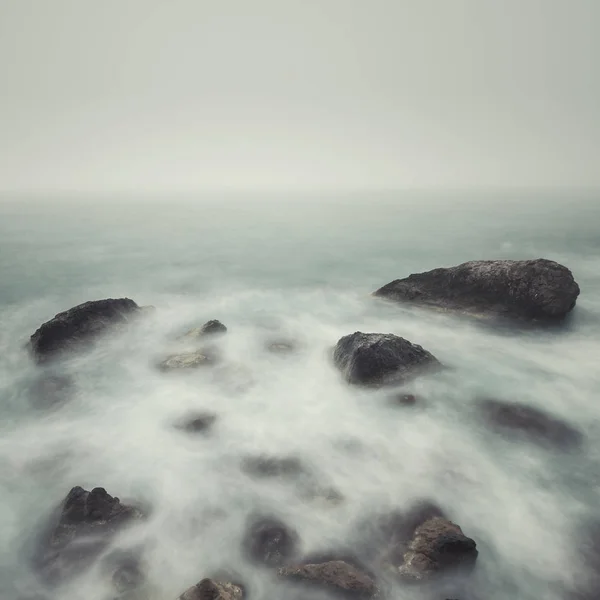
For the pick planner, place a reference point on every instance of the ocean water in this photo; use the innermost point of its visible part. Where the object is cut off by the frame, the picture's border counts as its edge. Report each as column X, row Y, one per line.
column 302, row 269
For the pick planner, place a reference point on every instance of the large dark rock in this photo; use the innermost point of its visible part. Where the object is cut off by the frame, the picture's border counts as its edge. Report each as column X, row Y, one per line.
column 270, row 542
column 210, row 589
column 438, row 546
column 337, row 575
column 532, row 289
column 531, row 423
column 378, row 358
column 79, row 326
column 80, row 531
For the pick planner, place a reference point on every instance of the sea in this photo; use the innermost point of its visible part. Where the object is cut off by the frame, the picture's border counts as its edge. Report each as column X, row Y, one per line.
column 298, row 269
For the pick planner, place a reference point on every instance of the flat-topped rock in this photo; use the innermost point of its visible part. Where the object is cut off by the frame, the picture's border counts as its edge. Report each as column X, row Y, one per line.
column 378, row 359
column 80, row 325
column 535, row 290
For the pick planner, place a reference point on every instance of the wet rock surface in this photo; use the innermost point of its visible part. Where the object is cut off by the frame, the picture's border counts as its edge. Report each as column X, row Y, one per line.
column 536, row 289
column 79, row 326
column 526, row 422
column 270, row 542
column 438, row 546
column 80, row 531
column 379, row 359
column 266, row 467
column 210, row 589
column 338, row 576
column 51, row 390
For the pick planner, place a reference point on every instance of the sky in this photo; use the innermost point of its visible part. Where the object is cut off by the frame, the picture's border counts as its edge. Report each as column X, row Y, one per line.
column 185, row 95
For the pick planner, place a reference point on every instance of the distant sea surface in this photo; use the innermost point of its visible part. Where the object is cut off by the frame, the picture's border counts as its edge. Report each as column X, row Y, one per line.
column 297, row 268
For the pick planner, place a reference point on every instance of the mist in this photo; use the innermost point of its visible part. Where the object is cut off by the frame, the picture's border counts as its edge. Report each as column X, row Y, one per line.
column 141, row 95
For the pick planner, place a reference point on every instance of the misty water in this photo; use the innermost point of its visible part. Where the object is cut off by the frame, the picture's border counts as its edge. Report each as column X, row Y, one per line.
column 299, row 269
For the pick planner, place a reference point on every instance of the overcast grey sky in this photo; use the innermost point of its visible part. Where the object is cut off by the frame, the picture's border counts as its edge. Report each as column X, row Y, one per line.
column 193, row 94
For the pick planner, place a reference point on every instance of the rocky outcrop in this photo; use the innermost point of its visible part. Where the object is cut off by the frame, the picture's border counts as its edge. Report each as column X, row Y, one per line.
column 378, row 359
column 337, row 575
column 80, row 531
column 79, row 326
column 537, row 289
column 210, row 328
column 270, row 542
column 530, row 423
column 209, row 589
column 438, row 546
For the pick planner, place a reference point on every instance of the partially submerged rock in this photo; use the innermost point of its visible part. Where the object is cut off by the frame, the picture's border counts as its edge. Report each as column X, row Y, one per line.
column 378, row 358
column 188, row 360
column 81, row 530
column 210, row 589
column 51, row 390
column 281, row 347
column 287, row 467
column 532, row 423
column 537, row 289
column 80, row 325
column 337, row 575
column 209, row 328
column 438, row 546
column 270, row 542
column 197, row 423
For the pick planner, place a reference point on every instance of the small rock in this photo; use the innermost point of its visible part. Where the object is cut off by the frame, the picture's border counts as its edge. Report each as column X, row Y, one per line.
column 535, row 424
column 437, row 546
column 187, row 360
column 80, row 531
column 209, row 589
column 272, row 466
column 378, row 359
column 537, row 289
column 336, row 575
column 270, row 542
column 78, row 326
column 281, row 347
column 199, row 423
column 209, row 328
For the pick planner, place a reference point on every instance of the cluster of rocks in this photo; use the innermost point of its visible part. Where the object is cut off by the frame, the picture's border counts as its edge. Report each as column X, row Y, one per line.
column 419, row 546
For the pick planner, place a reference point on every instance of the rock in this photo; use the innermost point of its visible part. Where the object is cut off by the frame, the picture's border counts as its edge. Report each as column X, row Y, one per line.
column 270, row 542
column 273, row 467
column 209, row 328
column 209, row 589
column 438, row 546
column 81, row 530
column 188, row 360
column 125, row 570
column 537, row 289
column 402, row 399
column 378, row 359
column 335, row 575
column 532, row 423
column 198, row 423
column 79, row 326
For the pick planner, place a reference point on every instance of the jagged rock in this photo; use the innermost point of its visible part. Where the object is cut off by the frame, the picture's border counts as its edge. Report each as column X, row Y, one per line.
column 209, row 328
column 270, row 542
column 81, row 529
column 378, row 358
column 272, row 466
column 335, row 575
column 79, row 325
column 537, row 289
column 438, row 546
column 188, row 360
column 209, row 589
column 198, row 423
column 532, row 423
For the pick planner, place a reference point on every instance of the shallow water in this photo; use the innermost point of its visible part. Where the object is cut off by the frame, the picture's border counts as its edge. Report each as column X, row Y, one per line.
column 300, row 269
